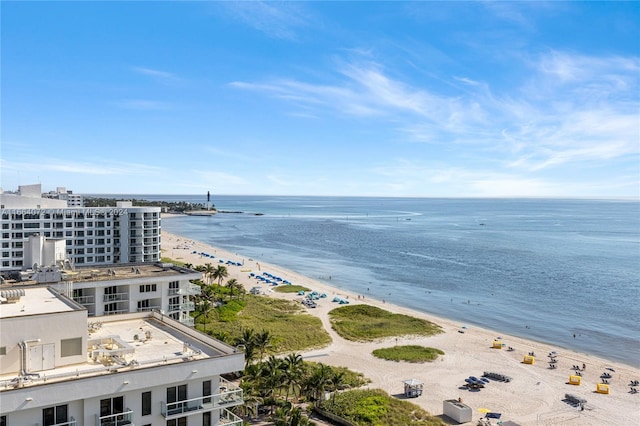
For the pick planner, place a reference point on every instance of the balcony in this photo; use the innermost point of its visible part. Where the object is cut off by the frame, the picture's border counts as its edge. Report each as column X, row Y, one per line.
column 190, row 290
column 71, row 422
column 174, row 308
column 227, row 418
column 115, row 297
column 84, row 300
column 228, row 398
column 120, row 419
column 188, row 321
column 174, row 291
column 150, row 308
column 187, row 306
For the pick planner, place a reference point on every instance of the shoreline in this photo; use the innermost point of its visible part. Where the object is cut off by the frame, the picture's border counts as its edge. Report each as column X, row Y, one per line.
column 536, row 399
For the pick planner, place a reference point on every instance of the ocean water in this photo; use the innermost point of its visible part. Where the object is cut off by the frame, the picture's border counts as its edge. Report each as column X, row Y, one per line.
column 543, row 269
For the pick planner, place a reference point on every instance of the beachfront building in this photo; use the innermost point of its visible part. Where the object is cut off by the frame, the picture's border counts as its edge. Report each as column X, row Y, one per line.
column 60, row 367
column 120, row 289
column 91, row 236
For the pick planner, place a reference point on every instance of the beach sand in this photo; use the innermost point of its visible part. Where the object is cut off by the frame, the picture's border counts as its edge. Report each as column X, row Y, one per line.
column 535, row 396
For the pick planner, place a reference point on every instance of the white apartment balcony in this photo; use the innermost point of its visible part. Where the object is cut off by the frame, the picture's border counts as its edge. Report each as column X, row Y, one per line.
column 174, row 291
column 116, row 312
column 71, row 422
column 115, row 297
column 190, row 290
column 174, row 308
column 84, row 300
column 150, row 308
column 187, row 306
column 228, row 398
column 227, row 418
column 188, row 321
column 120, row 419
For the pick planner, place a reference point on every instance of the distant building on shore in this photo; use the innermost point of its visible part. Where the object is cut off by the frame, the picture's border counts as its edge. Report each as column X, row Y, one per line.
column 60, row 367
column 90, row 235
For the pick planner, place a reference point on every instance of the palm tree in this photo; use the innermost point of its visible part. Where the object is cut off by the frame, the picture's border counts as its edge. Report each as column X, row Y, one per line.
column 202, row 309
column 318, row 381
column 292, row 371
column 247, row 341
column 272, row 375
column 188, row 265
column 220, row 273
column 232, row 285
column 337, row 381
column 262, row 341
column 208, row 272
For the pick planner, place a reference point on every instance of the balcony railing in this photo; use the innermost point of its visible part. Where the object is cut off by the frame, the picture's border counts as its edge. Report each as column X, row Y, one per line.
column 228, row 398
column 227, row 418
column 149, row 308
column 187, row 306
column 116, row 312
column 190, row 290
column 188, row 321
column 84, row 300
column 174, row 291
column 116, row 297
column 71, row 422
column 119, row 419
column 174, row 308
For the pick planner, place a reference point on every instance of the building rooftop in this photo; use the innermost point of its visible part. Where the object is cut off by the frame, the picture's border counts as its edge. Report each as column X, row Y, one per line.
column 36, row 301
column 110, row 273
column 115, row 272
column 128, row 342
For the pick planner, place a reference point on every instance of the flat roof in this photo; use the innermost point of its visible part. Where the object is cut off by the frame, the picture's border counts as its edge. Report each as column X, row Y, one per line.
column 35, row 301
column 125, row 271
column 148, row 340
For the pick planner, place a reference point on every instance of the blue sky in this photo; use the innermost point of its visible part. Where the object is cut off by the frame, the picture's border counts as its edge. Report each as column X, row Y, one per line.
column 433, row 99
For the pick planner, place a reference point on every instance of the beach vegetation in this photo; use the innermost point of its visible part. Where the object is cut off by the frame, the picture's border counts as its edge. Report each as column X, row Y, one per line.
column 289, row 326
column 219, row 273
column 408, row 353
column 290, row 288
column 368, row 323
column 374, row 407
column 280, row 383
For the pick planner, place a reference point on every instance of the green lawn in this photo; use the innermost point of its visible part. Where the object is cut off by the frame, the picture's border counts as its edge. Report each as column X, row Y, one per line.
column 376, row 408
column 368, row 323
column 292, row 328
column 409, row 353
column 290, row 288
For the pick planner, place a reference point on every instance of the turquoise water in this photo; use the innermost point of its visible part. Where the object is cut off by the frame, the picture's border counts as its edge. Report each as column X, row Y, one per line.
column 540, row 269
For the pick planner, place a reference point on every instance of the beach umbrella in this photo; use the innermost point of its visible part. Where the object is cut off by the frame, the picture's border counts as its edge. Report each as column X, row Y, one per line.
column 484, row 410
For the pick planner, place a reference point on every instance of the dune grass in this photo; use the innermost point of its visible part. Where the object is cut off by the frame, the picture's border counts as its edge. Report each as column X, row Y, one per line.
column 408, row 353
column 290, row 288
column 292, row 328
column 375, row 407
column 367, row 323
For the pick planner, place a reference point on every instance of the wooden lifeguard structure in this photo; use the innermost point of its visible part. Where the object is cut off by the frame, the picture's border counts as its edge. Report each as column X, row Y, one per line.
column 412, row 388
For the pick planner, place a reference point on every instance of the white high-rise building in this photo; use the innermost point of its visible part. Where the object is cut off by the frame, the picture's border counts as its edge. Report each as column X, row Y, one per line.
column 92, row 236
column 60, row 368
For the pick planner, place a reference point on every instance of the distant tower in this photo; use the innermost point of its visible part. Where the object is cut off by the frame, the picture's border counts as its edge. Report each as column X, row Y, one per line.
column 208, row 201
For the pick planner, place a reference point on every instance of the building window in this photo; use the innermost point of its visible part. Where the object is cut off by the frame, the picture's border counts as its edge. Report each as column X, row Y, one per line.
column 182, row 421
column 146, row 403
column 3, row 420
column 145, row 288
column 55, row 415
column 71, row 347
column 111, row 406
column 3, row 350
column 206, row 419
column 206, row 391
column 176, row 394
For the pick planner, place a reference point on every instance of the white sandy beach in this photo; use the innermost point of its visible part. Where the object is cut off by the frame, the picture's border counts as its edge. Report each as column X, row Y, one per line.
column 534, row 396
